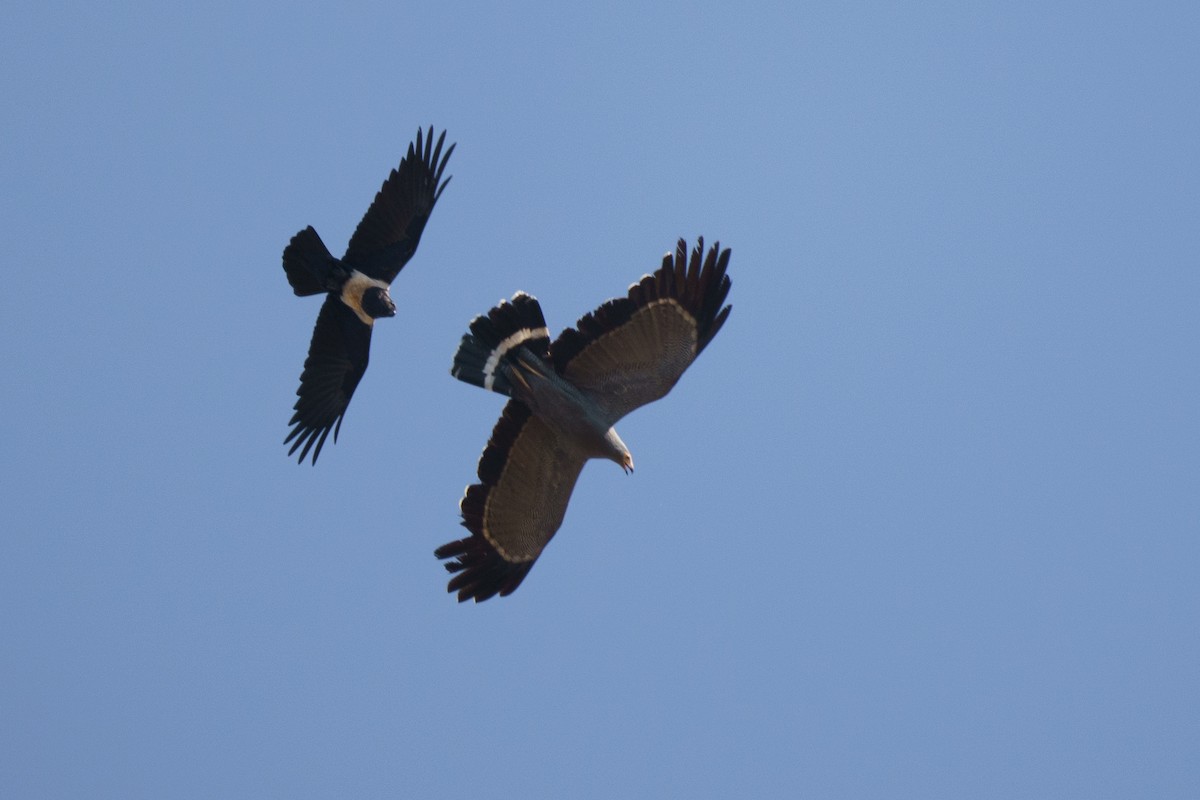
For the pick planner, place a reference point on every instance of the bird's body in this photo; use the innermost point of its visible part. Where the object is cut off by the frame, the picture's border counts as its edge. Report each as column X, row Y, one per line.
column 572, row 413
column 357, row 288
column 566, row 398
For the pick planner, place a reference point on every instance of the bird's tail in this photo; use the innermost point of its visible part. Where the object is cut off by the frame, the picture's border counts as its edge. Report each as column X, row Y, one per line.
column 308, row 263
column 494, row 338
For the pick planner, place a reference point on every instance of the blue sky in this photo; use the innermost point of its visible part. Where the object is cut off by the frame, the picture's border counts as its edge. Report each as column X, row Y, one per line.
column 921, row 522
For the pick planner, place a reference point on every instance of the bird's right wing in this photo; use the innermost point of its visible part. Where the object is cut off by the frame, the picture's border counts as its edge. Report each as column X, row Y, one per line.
column 631, row 350
column 388, row 234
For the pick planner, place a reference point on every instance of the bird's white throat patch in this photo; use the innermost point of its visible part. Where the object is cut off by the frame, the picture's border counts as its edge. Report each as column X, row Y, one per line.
column 513, row 340
column 352, row 293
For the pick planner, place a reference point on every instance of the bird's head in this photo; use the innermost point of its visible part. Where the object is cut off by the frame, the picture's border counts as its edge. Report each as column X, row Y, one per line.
column 617, row 451
column 376, row 303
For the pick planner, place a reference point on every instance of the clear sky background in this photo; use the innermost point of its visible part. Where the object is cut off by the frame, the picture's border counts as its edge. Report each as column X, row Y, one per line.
column 921, row 522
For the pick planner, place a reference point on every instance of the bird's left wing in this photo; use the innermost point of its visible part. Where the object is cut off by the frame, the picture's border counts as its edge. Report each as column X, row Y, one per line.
column 632, row 350
column 527, row 474
column 388, row 234
column 337, row 359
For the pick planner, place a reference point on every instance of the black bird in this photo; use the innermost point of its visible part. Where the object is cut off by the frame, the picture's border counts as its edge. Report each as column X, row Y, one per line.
column 357, row 289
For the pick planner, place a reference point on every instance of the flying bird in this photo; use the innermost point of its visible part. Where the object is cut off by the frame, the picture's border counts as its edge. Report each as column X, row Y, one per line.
column 357, row 289
column 565, row 399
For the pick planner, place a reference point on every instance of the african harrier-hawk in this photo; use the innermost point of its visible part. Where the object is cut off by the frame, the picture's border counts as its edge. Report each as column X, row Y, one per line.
column 566, row 397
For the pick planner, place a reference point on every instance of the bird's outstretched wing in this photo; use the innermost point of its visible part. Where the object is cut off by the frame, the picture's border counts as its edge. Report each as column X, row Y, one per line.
column 631, row 350
column 388, row 234
column 527, row 474
column 337, row 359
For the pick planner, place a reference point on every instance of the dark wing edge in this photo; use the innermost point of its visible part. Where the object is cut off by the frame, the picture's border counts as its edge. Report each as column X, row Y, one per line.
column 698, row 284
column 527, row 473
column 388, row 234
column 480, row 572
column 337, row 360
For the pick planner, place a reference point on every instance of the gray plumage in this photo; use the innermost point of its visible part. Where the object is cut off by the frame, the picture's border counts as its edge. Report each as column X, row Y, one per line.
column 565, row 399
